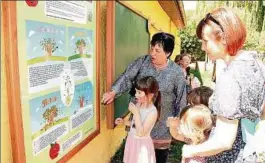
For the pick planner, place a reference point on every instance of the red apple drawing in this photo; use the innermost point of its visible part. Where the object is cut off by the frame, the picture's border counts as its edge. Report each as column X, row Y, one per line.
column 32, row 3
column 54, row 150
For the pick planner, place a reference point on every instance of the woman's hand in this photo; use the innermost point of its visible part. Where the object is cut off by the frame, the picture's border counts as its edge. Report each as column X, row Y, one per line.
column 119, row 121
column 133, row 108
column 108, row 97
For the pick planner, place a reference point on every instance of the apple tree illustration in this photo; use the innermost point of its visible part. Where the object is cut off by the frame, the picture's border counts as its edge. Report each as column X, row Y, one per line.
column 80, row 45
column 50, row 114
column 48, row 45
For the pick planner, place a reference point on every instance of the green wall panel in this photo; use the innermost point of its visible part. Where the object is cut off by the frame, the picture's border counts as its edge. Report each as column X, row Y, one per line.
column 131, row 41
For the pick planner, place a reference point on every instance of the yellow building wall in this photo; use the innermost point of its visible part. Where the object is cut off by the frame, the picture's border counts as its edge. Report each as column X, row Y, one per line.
column 157, row 18
column 175, row 32
column 152, row 11
column 103, row 147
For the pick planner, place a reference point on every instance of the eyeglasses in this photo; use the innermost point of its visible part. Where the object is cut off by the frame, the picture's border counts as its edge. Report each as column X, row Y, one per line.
column 210, row 17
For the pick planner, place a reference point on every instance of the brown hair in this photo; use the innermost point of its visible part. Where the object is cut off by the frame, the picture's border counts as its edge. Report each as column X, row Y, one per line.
column 177, row 59
column 199, row 95
column 149, row 85
column 229, row 24
column 165, row 40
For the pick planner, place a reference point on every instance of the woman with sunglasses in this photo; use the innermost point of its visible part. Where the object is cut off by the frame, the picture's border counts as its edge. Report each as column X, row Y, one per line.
column 239, row 91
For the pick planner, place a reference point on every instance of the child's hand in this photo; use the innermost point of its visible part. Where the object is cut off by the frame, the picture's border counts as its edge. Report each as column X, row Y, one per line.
column 169, row 119
column 119, row 121
column 133, row 108
column 173, row 122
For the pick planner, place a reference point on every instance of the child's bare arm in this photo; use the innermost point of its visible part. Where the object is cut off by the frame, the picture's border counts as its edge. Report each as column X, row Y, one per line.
column 127, row 122
column 175, row 134
column 173, row 124
column 120, row 121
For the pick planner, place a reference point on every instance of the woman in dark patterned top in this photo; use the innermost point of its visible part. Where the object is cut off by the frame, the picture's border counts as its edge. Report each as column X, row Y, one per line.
column 239, row 91
column 171, row 83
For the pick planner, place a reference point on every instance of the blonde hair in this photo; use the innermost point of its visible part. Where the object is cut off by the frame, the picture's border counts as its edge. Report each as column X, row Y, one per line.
column 196, row 123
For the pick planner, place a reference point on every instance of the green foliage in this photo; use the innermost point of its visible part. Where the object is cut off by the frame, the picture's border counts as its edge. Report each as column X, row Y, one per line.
column 191, row 44
column 260, row 16
column 175, row 153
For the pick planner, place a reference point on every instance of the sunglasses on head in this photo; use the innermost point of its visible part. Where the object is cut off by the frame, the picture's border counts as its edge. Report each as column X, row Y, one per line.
column 210, row 17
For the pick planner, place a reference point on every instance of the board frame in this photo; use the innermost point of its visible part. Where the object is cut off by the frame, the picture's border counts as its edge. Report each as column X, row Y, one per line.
column 9, row 15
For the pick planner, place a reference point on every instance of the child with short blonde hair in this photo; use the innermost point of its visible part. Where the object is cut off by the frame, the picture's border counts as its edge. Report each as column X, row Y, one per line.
column 195, row 122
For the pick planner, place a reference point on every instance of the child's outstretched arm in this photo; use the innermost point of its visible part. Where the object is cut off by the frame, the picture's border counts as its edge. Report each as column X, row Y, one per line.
column 120, row 121
column 173, row 124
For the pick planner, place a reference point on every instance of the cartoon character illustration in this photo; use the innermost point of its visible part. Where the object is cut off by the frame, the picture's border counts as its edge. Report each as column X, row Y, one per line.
column 68, row 85
column 81, row 101
column 49, row 46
